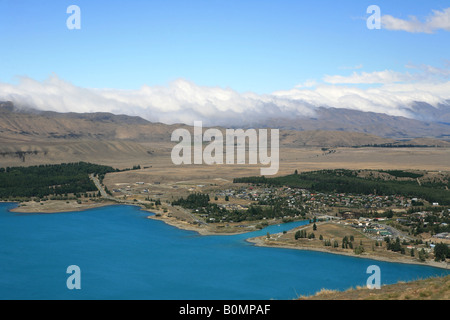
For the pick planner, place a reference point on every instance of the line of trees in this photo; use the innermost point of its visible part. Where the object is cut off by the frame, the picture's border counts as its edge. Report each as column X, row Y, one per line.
column 193, row 201
column 49, row 180
column 302, row 234
column 391, row 145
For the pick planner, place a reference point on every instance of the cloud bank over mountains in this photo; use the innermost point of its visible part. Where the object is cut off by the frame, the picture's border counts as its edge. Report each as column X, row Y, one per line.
column 182, row 101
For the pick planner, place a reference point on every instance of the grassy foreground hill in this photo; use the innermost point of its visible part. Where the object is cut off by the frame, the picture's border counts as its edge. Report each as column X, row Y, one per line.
column 437, row 288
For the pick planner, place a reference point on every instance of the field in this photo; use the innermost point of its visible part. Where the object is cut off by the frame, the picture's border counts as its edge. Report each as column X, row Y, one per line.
column 160, row 169
column 54, row 206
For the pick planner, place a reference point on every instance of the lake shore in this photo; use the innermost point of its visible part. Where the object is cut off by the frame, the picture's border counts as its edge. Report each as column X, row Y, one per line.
column 202, row 229
column 62, row 206
column 261, row 242
column 58, row 206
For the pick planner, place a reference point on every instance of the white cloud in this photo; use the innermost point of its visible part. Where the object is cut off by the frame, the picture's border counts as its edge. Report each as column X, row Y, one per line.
column 359, row 66
column 438, row 20
column 423, row 73
column 307, row 84
column 377, row 77
column 391, row 99
column 182, row 101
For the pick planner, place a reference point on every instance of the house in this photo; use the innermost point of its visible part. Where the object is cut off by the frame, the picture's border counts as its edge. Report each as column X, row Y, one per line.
column 348, row 215
column 443, row 235
column 384, row 233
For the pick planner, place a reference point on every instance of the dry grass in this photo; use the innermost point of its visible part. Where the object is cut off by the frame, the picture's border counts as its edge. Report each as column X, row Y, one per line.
column 334, row 231
column 52, row 206
column 329, row 231
column 437, row 288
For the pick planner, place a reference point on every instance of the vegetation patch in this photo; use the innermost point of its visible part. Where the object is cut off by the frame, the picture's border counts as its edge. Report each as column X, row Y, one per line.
column 48, row 180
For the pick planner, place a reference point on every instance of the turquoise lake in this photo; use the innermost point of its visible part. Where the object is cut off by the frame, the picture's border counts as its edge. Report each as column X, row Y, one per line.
column 124, row 255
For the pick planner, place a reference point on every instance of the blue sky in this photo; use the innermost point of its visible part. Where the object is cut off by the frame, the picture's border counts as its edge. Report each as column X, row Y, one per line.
column 224, row 60
column 249, row 45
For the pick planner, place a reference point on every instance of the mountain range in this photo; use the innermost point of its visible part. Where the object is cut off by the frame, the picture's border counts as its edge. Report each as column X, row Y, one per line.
column 88, row 136
column 48, row 124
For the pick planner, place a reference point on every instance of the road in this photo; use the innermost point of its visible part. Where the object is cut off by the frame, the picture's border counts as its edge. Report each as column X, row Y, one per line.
column 109, row 197
column 100, row 188
column 396, row 233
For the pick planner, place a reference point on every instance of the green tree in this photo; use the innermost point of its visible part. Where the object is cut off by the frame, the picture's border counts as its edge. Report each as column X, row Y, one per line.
column 396, row 246
column 359, row 250
column 422, row 255
column 441, row 252
column 389, row 214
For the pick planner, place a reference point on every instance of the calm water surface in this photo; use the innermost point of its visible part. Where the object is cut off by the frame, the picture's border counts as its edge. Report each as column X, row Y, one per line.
column 124, row 255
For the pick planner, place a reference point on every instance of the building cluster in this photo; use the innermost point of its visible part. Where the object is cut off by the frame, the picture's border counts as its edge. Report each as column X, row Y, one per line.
column 442, row 235
column 426, row 219
column 303, row 198
column 367, row 225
